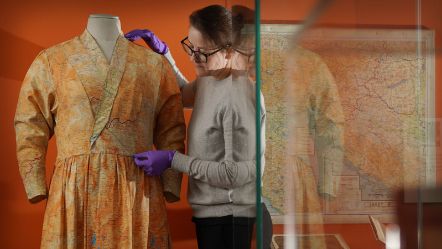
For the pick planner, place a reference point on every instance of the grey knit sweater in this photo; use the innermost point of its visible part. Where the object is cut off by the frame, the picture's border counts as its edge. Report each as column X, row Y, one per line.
column 221, row 148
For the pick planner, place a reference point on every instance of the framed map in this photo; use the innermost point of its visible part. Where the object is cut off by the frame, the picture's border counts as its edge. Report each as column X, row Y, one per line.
column 385, row 79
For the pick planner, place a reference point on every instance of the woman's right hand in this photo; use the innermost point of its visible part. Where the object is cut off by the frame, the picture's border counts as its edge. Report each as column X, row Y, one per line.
column 154, row 162
column 150, row 38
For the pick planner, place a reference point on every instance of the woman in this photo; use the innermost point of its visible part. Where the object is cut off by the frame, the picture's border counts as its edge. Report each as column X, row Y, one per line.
column 221, row 135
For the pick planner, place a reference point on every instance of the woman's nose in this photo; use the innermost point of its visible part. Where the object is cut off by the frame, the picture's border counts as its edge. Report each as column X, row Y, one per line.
column 193, row 58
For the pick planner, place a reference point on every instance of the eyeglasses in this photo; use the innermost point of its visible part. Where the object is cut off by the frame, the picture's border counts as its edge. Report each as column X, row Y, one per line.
column 200, row 57
column 249, row 53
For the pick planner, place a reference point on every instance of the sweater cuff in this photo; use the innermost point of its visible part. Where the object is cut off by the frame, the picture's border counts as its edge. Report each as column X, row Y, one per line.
column 181, row 162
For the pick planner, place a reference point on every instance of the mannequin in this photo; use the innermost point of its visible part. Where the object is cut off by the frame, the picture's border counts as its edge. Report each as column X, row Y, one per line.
column 96, row 94
column 105, row 29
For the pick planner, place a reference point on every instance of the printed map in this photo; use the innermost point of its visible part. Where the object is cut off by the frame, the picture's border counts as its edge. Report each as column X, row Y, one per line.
column 382, row 85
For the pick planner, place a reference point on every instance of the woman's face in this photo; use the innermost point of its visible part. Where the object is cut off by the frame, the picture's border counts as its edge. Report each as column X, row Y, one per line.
column 243, row 57
column 214, row 62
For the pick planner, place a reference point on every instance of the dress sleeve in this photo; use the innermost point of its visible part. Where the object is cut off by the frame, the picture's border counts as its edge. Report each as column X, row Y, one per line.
column 34, row 125
column 188, row 92
column 328, row 123
column 315, row 120
column 170, row 129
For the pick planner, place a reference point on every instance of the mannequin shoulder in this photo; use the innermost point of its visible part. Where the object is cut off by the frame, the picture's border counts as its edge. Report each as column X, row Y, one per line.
column 142, row 50
column 58, row 51
column 142, row 53
column 61, row 45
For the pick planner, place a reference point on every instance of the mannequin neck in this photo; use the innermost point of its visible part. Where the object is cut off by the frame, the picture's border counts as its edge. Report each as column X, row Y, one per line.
column 104, row 27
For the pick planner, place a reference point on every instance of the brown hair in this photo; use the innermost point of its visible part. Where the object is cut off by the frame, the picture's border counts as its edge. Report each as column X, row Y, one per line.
column 215, row 24
column 241, row 16
column 223, row 28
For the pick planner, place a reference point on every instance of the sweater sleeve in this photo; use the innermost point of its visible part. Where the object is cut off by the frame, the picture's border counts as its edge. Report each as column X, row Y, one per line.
column 226, row 174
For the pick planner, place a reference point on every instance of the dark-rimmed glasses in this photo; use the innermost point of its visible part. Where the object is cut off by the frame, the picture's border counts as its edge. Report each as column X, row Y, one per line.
column 249, row 53
column 200, row 57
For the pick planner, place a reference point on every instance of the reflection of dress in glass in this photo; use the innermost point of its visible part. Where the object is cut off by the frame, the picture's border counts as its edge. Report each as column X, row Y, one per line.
column 101, row 114
column 315, row 139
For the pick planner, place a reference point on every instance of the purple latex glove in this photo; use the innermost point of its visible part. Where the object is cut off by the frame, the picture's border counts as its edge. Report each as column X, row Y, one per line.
column 150, row 38
column 154, row 162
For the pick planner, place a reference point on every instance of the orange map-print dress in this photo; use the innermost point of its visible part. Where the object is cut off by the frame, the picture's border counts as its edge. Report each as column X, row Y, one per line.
column 101, row 114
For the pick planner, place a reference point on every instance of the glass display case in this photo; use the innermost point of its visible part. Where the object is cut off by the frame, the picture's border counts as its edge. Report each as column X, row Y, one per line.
column 351, row 128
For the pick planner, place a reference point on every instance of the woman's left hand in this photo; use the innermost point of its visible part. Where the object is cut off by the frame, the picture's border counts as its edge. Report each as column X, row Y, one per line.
column 154, row 162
